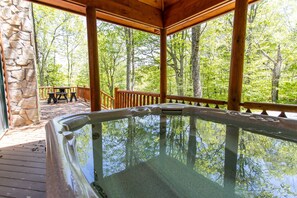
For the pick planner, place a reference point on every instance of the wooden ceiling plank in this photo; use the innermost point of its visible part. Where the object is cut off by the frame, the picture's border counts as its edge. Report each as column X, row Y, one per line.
column 153, row 3
column 177, row 14
column 128, row 9
column 81, row 10
column 126, row 23
column 199, row 19
column 69, row 7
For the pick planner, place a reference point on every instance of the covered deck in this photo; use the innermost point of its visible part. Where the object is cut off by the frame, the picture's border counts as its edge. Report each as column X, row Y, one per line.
column 22, row 161
column 162, row 17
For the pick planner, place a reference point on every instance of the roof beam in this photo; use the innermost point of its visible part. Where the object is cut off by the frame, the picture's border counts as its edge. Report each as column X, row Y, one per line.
column 187, row 13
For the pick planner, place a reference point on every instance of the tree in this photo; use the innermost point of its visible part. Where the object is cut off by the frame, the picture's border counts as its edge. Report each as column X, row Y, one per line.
column 177, row 47
column 47, row 28
column 197, row 31
column 129, row 39
column 111, row 54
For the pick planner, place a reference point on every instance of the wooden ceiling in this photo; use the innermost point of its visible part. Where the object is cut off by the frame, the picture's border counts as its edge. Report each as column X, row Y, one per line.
column 148, row 15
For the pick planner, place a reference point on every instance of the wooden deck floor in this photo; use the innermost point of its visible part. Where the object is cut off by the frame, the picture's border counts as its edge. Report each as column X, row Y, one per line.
column 22, row 154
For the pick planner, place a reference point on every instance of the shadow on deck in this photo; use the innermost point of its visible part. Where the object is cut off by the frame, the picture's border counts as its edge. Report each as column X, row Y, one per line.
column 22, row 153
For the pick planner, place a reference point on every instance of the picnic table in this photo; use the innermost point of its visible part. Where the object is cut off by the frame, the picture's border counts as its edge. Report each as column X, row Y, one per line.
column 60, row 93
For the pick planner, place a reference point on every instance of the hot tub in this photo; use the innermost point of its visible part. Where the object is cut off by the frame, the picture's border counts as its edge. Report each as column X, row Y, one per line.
column 171, row 151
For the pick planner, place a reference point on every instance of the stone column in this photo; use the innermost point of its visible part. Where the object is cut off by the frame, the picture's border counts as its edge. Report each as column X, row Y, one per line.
column 17, row 32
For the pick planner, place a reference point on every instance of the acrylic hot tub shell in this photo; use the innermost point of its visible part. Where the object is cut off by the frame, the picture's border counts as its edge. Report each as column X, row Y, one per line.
column 64, row 175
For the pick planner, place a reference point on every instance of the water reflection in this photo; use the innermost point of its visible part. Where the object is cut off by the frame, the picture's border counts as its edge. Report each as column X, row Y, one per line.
column 174, row 156
column 231, row 150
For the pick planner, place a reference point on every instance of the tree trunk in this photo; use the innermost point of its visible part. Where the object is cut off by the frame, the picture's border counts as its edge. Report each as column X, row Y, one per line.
column 249, row 39
column 129, row 51
column 176, row 52
column 68, row 59
column 133, row 63
column 276, row 74
column 195, row 61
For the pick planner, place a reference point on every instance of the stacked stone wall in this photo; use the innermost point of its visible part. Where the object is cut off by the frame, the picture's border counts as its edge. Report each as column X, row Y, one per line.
column 18, row 42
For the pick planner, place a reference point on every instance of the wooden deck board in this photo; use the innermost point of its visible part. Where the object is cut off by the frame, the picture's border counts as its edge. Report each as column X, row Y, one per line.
column 15, row 183
column 22, row 149
column 22, row 154
column 22, row 163
column 22, row 176
column 21, row 169
column 24, row 158
column 18, row 192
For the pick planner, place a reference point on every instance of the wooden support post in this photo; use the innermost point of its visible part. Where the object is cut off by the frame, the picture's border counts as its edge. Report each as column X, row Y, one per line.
column 237, row 56
column 163, row 66
column 93, row 59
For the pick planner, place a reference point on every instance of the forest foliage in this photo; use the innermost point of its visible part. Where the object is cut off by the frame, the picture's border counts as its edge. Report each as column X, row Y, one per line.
column 198, row 58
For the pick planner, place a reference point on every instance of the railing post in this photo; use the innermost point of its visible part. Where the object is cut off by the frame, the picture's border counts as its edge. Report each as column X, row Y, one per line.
column 116, row 98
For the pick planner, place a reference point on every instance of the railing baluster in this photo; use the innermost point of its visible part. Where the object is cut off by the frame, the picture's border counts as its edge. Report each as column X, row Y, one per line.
column 282, row 115
column 148, row 100
column 264, row 112
column 144, row 100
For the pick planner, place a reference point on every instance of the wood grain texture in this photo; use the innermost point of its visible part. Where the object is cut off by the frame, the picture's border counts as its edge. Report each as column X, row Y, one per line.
column 186, row 13
column 81, row 10
column 153, row 3
column 270, row 106
column 93, row 59
column 237, row 55
column 130, row 9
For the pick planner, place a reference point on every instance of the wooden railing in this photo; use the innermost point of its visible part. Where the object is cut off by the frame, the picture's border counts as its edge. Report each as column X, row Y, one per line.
column 83, row 93
column 124, row 99
column 107, row 102
column 197, row 101
column 264, row 107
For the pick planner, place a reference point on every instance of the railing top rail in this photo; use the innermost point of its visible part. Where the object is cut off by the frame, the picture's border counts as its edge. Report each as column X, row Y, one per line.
column 140, row 93
column 40, row 87
column 270, row 106
column 193, row 99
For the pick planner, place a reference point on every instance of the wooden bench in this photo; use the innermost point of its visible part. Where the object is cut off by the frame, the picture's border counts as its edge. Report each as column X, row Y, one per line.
column 51, row 96
column 73, row 96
